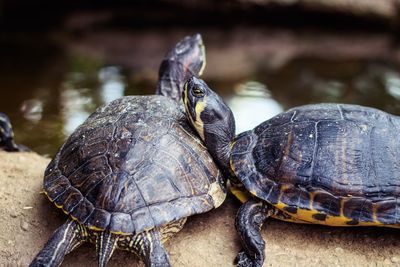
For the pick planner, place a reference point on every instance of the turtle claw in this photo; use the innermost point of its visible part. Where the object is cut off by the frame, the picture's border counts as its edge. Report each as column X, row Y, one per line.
column 243, row 260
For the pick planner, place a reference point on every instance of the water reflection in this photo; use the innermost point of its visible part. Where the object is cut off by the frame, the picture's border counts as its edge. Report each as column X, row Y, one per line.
column 78, row 103
column 392, row 84
column 46, row 102
column 252, row 104
column 32, row 110
column 75, row 108
column 112, row 85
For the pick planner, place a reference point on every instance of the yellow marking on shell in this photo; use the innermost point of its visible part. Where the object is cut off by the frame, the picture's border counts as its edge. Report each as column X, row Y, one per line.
column 98, row 229
column 306, row 216
column 58, row 206
column 120, row 233
column 91, row 227
column 283, row 188
column 312, row 195
column 242, row 195
column 342, row 207
column 288, row 219
column 374, row 217
column 254, row 193
column 288, row 144
column 94, row 228
column 217, row 194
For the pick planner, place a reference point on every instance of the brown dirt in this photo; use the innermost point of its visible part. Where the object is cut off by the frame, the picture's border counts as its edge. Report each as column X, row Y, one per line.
column 27, row 220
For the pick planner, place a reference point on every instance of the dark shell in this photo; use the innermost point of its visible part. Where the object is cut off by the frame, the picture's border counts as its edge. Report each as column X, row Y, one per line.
column 133, row 165
column 342, row 160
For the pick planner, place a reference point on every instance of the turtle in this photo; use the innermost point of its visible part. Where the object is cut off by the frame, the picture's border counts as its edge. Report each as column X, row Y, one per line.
column 329, row 164
column 7, row 142
column 131, row 174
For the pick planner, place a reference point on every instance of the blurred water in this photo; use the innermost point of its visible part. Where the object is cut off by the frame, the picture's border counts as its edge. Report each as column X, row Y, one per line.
column 251, row 103
column 46, row 102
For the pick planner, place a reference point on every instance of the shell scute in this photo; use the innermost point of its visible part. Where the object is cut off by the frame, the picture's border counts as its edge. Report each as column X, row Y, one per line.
column 57, row 188
column 359, row 209
column 324, row 201
column 99, row 218
column 82, row 210
column 291, row 195
column 69, row 199
column 388, row 211
column 121, row 222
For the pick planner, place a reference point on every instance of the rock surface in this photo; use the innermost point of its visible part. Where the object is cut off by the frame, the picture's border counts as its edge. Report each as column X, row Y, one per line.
column 28, row 218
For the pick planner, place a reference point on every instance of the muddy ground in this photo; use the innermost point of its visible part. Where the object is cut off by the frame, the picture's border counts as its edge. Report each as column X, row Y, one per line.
column 27, row 219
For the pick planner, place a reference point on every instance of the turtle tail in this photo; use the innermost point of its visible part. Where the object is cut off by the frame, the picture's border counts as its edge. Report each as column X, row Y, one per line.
column 106, row 243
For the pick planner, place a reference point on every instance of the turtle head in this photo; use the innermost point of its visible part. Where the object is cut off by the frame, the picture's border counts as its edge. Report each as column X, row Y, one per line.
column 191, row 53
column 186, row 59
column 211, row 117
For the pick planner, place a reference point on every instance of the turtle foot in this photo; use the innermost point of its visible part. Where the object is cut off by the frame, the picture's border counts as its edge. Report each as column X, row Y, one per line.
column 243, row 260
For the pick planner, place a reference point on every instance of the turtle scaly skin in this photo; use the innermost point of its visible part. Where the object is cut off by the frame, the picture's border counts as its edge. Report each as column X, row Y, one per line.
column 129, row 176
column 329, row 164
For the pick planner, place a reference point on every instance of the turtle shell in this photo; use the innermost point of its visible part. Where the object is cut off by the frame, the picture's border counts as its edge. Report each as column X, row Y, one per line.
column 327, row 163
column 133, row 165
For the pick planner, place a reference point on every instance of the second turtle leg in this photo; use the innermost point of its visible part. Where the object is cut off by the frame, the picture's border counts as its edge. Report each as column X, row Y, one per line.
column 149, row 247
column 249, row 220
column 65, row 239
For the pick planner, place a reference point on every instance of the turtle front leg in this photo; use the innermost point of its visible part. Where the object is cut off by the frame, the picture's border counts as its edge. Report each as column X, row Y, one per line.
column 248, row 223
column 65, row 239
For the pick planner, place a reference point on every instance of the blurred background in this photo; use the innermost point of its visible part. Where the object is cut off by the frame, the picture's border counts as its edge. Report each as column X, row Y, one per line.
column 59, row 60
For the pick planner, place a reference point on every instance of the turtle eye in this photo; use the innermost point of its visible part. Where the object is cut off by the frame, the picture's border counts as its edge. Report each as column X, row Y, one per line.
column 197, row 92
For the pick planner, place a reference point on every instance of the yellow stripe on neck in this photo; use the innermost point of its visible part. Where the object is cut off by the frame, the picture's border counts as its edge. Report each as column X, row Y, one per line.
column 200, row 106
